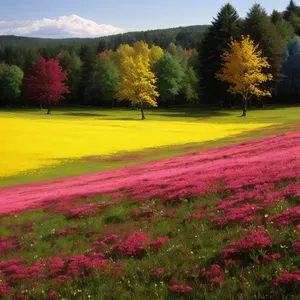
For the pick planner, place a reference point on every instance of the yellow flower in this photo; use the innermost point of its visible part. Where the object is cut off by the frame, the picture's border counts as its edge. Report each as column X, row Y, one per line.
column 31, row 142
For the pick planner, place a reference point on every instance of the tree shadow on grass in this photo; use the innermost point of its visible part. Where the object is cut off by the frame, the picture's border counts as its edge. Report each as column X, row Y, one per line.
column 196, row 114
column 123, row 119
column 83, row 114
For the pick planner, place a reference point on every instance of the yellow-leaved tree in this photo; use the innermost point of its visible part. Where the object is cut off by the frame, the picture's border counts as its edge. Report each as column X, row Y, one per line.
column 138, row 82
column 242, row 68
column 155, row 54
column 141, row 47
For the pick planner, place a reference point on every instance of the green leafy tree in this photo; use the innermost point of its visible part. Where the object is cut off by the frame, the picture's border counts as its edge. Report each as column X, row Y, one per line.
column 11, row 78
column 72, row 63
column 191, row 83
column 170, row 77
column 106, row 80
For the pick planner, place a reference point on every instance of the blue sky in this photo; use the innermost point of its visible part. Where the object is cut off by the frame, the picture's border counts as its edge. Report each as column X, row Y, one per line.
column 133, row 14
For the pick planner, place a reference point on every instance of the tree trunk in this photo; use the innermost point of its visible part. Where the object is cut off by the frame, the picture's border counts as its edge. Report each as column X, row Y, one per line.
column 230, row 101
column 142, row 111
column 41, row 105
column 221, row 104
column 250, row 102
column 49, row 108
column 244, row 107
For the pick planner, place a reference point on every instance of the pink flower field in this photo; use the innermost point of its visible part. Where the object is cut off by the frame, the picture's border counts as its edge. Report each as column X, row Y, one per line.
column 218, row 224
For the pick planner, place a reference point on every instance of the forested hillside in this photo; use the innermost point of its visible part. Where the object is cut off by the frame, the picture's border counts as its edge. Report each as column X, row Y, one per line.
column 187, row 37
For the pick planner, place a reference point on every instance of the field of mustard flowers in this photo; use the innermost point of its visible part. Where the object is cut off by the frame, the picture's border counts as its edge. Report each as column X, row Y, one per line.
column 40, row 141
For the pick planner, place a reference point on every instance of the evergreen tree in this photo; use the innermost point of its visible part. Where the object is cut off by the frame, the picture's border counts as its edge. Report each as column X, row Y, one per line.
column 292, row 8
column 225, row 26
column 30, row 56
column 261, row 29
column 291, row 68
column 284, row 28
column 101, row 46
column 88, row 58
column 295, row 22
column 276, row 16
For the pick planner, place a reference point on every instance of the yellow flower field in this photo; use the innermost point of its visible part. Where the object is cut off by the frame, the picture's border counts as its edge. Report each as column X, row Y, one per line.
column 31, row 143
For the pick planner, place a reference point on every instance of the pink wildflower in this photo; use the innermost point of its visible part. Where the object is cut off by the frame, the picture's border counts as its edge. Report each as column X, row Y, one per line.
column 288, row 278
column 5, row 290
column 180, row 289
column 63, row 279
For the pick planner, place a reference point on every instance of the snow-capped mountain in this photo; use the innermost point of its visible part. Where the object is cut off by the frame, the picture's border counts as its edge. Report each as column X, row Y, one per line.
column 62, row 27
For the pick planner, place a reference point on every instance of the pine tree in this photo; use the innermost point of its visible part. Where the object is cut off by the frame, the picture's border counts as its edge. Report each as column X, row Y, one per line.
column 292, row 15
column 101, row 46
column 225, row 26
column 88, row 58
column 284, row 28
column 276, row 16
column 291, row 8
column 261, row 29
column 291, row 68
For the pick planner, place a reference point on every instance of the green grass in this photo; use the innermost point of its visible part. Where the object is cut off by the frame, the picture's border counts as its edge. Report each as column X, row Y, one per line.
column 285, row 118
column 282, row 114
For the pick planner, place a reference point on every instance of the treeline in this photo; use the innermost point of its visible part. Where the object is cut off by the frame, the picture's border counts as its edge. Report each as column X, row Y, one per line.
column 186, row 69
column 140, row 76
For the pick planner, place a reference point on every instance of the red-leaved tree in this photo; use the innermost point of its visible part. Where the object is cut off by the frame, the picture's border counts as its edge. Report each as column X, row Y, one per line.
column 47, row 83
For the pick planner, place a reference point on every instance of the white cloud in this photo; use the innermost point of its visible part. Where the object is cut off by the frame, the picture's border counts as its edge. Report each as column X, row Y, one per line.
column 62, row 27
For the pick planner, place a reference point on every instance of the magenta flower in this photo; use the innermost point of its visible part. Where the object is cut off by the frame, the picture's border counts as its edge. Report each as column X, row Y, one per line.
column 5, row 290
column 287, row 278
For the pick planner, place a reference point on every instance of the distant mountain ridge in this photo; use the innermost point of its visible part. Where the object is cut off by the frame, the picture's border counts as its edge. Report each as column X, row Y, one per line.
column 187, row 37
